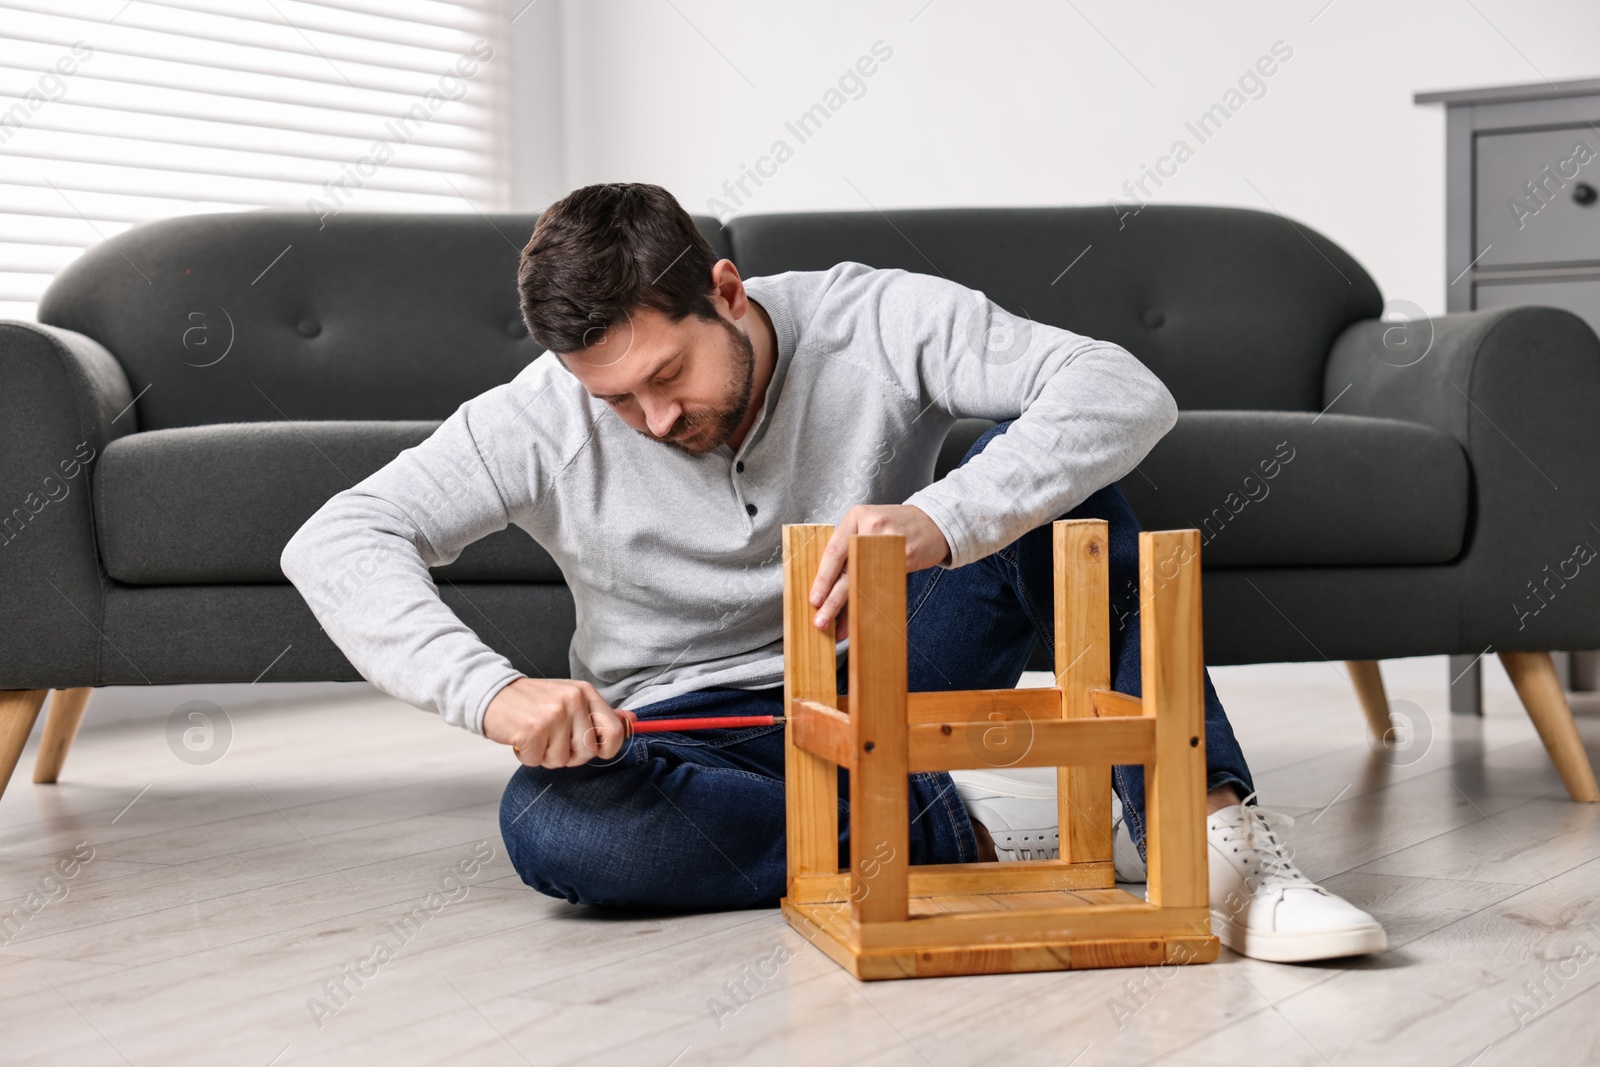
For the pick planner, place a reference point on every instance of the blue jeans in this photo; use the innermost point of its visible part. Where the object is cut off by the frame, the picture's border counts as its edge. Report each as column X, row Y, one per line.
column 696, row 821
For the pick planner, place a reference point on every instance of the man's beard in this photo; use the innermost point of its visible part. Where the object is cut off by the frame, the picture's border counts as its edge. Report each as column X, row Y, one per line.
column 722, row 423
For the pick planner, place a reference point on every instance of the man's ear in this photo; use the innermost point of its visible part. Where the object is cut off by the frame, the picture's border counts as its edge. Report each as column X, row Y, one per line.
column 729, row 287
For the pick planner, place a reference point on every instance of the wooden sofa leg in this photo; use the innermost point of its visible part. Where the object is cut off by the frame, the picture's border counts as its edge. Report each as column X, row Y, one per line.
column 18, row 710
column 1368, row 680
column 60, row 727
column 1535, row 678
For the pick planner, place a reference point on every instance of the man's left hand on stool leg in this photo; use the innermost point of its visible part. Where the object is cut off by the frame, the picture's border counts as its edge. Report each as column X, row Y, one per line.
column 925, row 547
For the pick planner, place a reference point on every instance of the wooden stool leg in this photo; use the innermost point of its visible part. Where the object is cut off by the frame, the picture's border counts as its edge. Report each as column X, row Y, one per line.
column 18, row 710
column 1083, row 662
column 1535, row 678
column 810, row 672
column 1368, row 682
column 60, row 727
column 1173, row 679
column 880, row 819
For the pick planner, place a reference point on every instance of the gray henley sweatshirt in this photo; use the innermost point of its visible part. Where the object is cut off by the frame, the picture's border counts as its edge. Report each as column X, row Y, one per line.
column 674, row 560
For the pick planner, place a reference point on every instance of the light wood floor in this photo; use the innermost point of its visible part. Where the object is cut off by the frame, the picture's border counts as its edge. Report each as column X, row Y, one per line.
column 220, row 899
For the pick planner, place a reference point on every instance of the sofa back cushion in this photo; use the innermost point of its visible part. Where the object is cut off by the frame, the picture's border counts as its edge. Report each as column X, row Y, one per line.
column 1231, row 308
column 269, row 315
column 256, row 316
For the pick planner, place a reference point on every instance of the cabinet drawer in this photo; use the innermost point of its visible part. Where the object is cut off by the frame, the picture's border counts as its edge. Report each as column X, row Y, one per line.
column 1581, row 296
column 1519, row 227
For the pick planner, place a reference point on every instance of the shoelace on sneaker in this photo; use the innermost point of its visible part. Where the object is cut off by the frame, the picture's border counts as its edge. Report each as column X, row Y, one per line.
column 1259, row 830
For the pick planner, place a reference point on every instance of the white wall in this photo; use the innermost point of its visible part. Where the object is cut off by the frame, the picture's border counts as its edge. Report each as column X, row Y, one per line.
column 536, row 97
column 1048, row 103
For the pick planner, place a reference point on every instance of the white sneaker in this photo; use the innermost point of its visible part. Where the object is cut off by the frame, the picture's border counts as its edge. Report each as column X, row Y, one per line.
column 1129, row 864
column 1263, row 906
column 1018, row 808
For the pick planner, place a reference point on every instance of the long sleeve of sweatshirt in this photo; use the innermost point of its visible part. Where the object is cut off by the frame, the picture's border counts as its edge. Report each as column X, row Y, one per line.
column 362, row 560
column 1087, row 411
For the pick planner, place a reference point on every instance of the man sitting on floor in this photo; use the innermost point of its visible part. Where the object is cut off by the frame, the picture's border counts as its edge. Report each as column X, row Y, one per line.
column 680, row 418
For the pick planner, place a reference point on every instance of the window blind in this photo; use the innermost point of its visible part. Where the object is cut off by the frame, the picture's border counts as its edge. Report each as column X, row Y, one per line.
column 114, row 112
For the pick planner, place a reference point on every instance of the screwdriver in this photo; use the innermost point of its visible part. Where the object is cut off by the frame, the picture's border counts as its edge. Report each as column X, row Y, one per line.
column 632, row 725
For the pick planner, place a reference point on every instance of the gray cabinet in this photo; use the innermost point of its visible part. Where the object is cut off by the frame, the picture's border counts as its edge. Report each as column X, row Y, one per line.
column 1522, row 226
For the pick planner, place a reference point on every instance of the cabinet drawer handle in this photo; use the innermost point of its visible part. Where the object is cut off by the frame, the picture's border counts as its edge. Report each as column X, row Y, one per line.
column 1584, row 194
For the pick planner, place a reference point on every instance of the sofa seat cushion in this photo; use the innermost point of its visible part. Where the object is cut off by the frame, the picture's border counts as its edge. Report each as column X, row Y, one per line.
column 217, row 503
column 1277, row 488
column 210, row 504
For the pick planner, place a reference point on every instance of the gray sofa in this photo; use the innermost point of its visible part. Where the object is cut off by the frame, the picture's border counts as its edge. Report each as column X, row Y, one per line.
column 201, row 385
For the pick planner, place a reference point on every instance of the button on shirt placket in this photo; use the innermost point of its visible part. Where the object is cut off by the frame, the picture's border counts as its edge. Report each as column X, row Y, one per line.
column 750, row 509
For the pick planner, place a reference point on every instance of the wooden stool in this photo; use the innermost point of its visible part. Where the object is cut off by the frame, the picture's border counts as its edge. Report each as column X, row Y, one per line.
column 884, row 918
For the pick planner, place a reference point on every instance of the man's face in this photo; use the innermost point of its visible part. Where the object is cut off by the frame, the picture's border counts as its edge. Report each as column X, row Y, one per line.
column 686, row 384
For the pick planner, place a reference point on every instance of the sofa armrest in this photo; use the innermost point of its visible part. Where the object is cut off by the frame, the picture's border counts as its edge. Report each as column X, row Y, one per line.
column 1519, row 388
column 63, row 398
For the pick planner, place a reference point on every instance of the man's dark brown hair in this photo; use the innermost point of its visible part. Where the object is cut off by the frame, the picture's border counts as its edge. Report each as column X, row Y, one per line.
column 604, row 251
